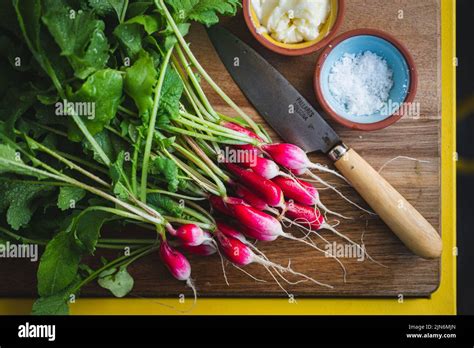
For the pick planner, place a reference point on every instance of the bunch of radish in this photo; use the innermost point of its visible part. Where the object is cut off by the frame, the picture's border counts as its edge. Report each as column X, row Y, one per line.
column 153, row 159
column 260, row 196
column 266, row 196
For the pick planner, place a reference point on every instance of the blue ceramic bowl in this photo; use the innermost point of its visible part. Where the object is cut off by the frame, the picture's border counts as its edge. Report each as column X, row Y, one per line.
column 398, row 59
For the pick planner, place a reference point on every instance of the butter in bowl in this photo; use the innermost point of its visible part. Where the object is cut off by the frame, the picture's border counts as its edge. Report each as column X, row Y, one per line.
column 293, row 27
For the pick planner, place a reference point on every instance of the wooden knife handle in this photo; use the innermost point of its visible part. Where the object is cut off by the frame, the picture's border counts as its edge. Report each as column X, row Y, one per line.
column 404, row 220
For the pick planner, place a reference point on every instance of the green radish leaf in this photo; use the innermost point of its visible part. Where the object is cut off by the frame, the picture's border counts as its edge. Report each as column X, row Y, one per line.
column 120, row 177
column 139, row 81
column 107, row 7
column 47, row 115
column 59, row 264
column 171, row 93
column 69, row 196
column 109, row 143
column 29, row 13
column 164, row 142
column 120, row 282
column 13, row 105
column 139, row 7
column 51, row 305
column 86, row 228
column 58, row 303
column 20, row 201
column 48, row 99
column 47, row 219
column 42, row 47
column 102, row 7
column 171, row 39
column 79, row 35
column 128, row 129
column 129, row 36
column 119, row 6
column 8, row 155
column 86, row 269
column 105, row 142
column 150, row 24
column 101, row 93
column 168, row 169
column 203, row 11
column 121, row 191
column 163, row 203
column 103, row 261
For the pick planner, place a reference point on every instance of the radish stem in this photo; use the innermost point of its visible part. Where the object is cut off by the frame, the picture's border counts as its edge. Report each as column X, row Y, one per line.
column 151, row 126
column 203, row 72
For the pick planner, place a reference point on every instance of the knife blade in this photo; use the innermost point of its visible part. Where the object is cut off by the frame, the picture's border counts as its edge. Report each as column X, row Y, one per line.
column 279, row 103
column 297, row 122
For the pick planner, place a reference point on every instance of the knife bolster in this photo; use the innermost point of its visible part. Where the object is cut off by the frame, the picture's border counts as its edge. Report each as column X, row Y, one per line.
column 338, row 152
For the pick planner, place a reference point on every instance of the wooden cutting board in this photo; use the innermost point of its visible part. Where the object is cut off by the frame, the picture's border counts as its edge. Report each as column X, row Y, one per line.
column 417, row 25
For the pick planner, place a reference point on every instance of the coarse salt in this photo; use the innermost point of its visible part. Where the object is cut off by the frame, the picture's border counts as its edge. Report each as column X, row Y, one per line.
column 361, row 83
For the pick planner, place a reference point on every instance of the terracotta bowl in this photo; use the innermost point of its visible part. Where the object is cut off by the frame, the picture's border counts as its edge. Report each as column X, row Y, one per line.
column 398, row 58
column 328, row 31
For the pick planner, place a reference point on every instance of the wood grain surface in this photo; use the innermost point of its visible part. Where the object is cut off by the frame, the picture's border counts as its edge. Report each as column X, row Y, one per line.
column 403, row 272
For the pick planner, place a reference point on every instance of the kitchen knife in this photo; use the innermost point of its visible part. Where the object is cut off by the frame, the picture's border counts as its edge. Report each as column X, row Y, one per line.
column 297, row 122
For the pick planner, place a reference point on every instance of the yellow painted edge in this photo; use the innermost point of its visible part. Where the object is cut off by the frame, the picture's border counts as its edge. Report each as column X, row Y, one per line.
column 443, row 301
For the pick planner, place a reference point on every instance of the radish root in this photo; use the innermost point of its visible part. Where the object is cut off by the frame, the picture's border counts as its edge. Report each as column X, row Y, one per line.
column 325, row 169
column 401, row 157
column 190, row 284
column 248, row 274
column 267, row 263
column 340, row 193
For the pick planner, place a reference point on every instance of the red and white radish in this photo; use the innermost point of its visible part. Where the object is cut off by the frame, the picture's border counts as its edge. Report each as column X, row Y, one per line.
column 295, row 159
column 306, row 214
column 264, row 188
column 238, row 128
column 221, row 206
column 257, row 220
column 257, row 203
column 264, row 227
column 230, row 231
column 251, row 198
column 298, row 190
column 302, row 192
column 190, row 234
column 258, row 235
column 288, row 155
column 207, row 248
column 262, row 166
column 242, row 255
column 315, row 220
column 177, row 264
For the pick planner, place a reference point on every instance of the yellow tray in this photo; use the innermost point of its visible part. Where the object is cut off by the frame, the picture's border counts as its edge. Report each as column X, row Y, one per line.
column 443, row 301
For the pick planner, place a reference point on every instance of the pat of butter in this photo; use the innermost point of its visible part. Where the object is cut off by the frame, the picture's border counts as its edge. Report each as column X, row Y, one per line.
column 291, row 21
